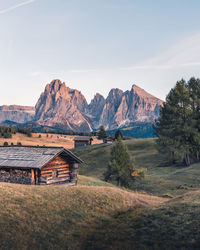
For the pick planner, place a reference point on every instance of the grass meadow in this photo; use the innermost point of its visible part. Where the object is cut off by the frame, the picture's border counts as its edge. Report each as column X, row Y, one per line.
column 161, row 212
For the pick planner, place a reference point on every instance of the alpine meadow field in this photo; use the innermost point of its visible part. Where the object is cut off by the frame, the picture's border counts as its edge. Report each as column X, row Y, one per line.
column 161, row 212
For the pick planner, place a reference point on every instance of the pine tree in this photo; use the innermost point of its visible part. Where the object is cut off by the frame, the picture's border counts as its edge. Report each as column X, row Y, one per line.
column 178, row 128
column 194, row 87
column 101, row 133
column 118, row 134
column 121, row 167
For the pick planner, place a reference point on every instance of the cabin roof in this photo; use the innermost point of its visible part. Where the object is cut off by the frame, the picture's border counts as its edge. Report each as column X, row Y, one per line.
column 83, row 138
column 27, row 157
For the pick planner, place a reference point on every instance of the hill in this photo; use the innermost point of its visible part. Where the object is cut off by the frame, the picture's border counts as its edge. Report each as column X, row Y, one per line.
column 59, row 217
column 161, row 178
column 98, row 215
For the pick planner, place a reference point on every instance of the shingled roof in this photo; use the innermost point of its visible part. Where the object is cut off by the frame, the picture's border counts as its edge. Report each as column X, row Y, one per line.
column 32, row 157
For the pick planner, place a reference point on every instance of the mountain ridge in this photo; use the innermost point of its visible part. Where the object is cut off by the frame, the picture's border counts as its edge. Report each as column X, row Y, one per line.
column 65, row 108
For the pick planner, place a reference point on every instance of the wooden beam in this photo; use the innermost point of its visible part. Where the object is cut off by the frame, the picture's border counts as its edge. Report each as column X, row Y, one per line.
column 32, row 177
column 36, row 176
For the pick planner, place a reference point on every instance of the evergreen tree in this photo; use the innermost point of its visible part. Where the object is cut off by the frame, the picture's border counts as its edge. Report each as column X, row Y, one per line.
column 194, row 87
column 178, row 128
column 121, row 167
column 118, row 134
column 101, row 133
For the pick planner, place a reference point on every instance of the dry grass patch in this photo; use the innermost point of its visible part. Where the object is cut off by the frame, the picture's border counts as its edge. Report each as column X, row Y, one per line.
column 59, row 217
column 41, row 139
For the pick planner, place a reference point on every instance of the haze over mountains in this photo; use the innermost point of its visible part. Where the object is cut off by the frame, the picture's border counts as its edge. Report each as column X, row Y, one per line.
column 64, row 108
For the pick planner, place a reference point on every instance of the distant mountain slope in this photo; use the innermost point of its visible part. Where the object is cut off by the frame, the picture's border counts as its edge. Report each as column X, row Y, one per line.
column 65, row 108
column 16, row 113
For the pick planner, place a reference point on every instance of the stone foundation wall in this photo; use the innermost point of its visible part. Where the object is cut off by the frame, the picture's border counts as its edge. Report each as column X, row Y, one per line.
column 15, row 176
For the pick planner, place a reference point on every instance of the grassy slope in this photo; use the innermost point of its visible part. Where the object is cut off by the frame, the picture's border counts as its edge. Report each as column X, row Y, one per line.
column 160, row 178
column 59, row 217
column 97, row 215
column 174, row 225
column 54, row 140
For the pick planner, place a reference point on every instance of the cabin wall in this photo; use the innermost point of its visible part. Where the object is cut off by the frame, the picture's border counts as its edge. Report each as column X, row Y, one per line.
column 15, row 176
column 56, row 171
column 78, row 144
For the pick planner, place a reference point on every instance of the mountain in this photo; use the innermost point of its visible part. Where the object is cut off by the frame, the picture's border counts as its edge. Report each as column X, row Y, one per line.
column 62, row 108
column 65, row 108
column 95, row 109
column 124, row 108
column 15, row 113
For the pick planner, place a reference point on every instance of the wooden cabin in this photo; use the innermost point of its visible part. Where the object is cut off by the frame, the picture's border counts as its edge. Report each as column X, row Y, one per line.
column 82, row 141
column 109, row 140
column 38, row 165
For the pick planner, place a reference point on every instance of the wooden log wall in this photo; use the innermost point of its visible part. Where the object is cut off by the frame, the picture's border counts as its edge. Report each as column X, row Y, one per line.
column 55, row 171
column 81, row 143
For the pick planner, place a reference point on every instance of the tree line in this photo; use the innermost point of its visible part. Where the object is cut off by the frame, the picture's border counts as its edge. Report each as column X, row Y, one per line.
column 178, row 127
column 7, row 132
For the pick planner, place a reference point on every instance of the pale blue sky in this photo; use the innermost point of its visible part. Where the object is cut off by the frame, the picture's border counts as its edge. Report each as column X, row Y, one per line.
column 96, row 45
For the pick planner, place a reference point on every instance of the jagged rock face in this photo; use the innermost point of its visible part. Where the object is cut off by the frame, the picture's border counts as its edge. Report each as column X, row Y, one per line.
column 95, row 109
column 137, row 106
column 110, row 108
column 123, row 108
column 18, row 114
column 62, row 107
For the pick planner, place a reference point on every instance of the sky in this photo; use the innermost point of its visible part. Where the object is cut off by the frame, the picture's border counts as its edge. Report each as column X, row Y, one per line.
column 96, row 45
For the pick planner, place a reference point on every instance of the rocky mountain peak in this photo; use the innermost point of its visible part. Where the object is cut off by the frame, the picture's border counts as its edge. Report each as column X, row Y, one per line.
column 144, row 94
column 62, row 107
column 114, row 94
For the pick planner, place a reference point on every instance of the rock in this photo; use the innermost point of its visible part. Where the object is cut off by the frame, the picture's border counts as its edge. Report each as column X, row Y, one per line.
column 16, row 113
column 123, row 108
column 63, row 108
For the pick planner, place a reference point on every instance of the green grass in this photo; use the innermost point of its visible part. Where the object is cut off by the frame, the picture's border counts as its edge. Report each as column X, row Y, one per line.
column 160, row 178
column 173, row 225
column 98, row 215
column 59, row 217
column 90, row 181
